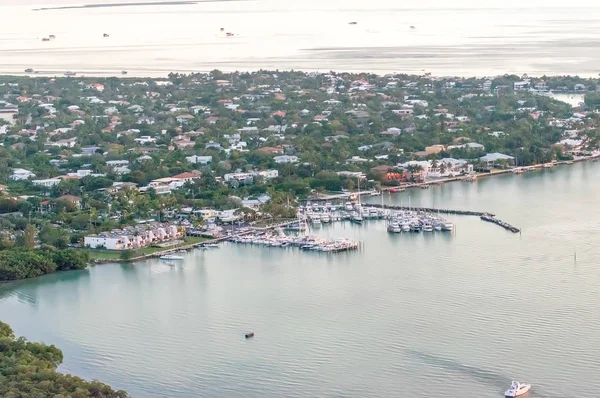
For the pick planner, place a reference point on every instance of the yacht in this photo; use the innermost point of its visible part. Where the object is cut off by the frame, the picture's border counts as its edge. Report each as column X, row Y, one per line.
column 29, row 70
column 325, row 218
column 349, row 206
column 405, row 227
column 437, row 226
column 171, row 257
column 517, row 389
column 394, row 227
column 415, row 227
column 427, row 228
column 356, row 218
column 447, row 226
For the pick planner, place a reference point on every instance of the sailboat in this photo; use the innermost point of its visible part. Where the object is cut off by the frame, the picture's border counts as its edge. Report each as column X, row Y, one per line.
column 356, row 215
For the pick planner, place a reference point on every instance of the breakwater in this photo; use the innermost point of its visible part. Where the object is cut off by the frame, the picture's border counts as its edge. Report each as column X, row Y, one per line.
column 505, row 225
column 434, row 210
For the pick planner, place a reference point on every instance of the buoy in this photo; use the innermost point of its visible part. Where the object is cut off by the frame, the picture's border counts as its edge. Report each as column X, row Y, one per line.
column 249, row 335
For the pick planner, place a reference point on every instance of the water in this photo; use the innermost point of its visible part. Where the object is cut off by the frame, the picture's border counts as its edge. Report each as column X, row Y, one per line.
column 432, row 315
column 462, row 38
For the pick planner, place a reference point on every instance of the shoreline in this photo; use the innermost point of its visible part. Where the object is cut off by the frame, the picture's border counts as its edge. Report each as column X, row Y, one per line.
column 441, row 181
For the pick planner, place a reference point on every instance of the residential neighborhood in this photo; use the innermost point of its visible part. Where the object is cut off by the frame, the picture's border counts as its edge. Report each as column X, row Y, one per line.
column 94, row 157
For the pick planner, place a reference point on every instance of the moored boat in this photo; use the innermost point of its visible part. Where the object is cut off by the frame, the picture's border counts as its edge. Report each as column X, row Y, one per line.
column 171, row 257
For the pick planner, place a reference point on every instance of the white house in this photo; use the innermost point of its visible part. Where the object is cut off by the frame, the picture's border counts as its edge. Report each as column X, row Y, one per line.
column 492, row 158
column 117, row 163
column 268, row 174
column 145, row 139
column 286, row 159
column 184, row 119
column 203, row 160
column 21, row 174
column 108, row 242
column 48, row 182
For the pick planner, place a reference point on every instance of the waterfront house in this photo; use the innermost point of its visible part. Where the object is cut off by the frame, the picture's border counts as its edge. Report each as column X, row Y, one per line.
column 135, row 237
column 492, row 159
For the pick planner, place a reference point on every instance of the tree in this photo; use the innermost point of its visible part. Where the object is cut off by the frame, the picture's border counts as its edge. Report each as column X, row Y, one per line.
column 29, row 370
column 27, row 238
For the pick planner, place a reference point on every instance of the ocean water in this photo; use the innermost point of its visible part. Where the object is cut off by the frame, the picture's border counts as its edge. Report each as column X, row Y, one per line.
column 462, row 38
column 415, row 315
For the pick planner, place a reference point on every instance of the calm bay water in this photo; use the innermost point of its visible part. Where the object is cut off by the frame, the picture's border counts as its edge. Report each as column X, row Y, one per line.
column 413, row 315
column 464, row 37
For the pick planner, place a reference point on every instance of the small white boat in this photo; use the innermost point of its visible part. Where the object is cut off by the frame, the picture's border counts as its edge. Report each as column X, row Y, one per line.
column 211, row 245
column 349, row 206
column 375, row 193
column 427, row 228
column 325, row 218
column 447, row 226
column 171, row 257
column 517, row 389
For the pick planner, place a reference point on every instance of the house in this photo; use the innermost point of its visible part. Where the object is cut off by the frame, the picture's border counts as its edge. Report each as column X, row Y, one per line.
column 389, row 173
column 213, row 145
column 89, row 150
column 434, row 149
column 96, row 86
column 117, row 163
column 203, row 160
column 267, row 174
column 449, row 167
column 392, row 131
column 48, row 182
column 66, row 143
column 135, row 237
column 184, row 119
column 71, row 199
column 468, row 145
column 493, row 158
column 21, row 174
column 188, row 176
column 286, row 159
column 145, row 139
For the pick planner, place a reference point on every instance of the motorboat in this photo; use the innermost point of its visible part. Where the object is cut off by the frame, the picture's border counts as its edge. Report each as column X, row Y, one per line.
column 356, row 218
column 29, row 70
column 447, row 226
column 325, row 218
column 211, row 245
column 517, row 389
column 349, row 206
column 437, row 226
column 394, row 227
column 171, row 257
column 427, row 228
column 405, row 227
column 69, row 73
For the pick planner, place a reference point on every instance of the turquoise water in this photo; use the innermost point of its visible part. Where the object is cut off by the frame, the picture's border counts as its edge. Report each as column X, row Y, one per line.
column 409, row 315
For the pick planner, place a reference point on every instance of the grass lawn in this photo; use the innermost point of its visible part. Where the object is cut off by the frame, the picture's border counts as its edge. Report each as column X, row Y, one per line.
column 103, row 254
